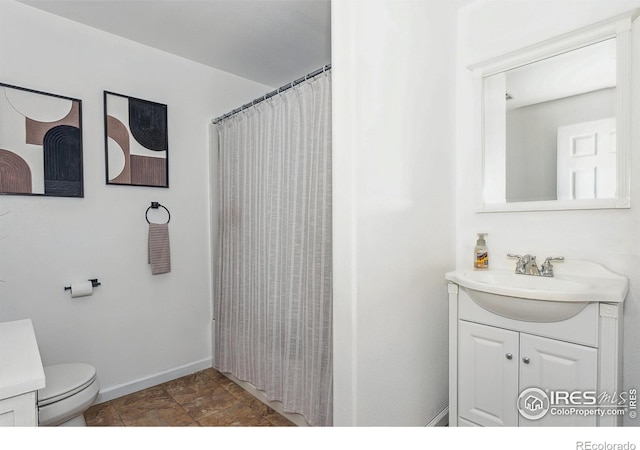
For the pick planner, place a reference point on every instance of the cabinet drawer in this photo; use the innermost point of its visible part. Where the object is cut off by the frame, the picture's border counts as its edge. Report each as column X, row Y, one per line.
column 580, row 329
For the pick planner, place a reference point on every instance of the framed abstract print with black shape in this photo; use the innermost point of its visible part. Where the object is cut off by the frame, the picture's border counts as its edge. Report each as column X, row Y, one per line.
column 136, row 141
column 40, row 143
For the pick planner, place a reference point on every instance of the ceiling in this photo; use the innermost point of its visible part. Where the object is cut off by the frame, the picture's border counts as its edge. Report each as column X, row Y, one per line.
column 271, row 42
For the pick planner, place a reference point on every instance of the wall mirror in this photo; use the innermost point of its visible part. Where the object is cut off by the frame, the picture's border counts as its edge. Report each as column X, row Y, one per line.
column 554, row 122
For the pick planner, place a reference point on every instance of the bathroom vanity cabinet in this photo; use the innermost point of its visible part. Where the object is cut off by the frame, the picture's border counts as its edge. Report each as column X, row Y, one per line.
column 495, row 365
column 494, row 359
column 21, row 374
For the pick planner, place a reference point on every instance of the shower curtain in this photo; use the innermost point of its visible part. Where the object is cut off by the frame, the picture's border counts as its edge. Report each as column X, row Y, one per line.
column 273, row 302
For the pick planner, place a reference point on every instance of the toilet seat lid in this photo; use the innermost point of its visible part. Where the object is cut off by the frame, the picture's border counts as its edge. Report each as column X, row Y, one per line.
column 63, row 380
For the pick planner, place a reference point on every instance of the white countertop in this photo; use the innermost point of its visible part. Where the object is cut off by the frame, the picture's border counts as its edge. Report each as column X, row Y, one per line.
column 574, row 281
column 21, row 368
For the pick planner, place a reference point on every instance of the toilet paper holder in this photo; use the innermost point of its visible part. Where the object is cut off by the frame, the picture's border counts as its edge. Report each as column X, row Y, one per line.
column 94, row 283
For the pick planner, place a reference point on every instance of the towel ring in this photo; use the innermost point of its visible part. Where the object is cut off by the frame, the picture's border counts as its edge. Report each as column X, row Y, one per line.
column 156, row 205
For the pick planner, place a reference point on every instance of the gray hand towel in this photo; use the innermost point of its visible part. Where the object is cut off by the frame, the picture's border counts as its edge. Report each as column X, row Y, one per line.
column 159, row 252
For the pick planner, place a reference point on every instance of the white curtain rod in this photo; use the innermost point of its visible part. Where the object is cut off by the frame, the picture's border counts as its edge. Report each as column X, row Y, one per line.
column 272, row 93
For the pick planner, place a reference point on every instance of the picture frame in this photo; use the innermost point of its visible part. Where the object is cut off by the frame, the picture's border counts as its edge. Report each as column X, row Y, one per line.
column 136, row 141
column 41, row 150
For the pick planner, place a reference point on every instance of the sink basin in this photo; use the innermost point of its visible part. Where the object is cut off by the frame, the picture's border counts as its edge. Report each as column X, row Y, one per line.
column 542, row 299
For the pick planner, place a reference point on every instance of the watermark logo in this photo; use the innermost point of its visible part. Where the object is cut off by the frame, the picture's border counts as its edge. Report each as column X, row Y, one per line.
column 633, row 403
column 589, row 445
column 533, row 403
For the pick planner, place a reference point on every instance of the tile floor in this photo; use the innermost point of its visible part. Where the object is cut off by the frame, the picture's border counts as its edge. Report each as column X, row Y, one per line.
column 205, row 398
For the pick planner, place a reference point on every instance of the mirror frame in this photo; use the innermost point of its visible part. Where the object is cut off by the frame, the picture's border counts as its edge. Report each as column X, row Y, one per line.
column 619, row 27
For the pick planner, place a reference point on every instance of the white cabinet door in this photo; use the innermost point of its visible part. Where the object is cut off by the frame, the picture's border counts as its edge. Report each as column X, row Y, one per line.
column 553, row 365
column 487, row 374
column 19, row 411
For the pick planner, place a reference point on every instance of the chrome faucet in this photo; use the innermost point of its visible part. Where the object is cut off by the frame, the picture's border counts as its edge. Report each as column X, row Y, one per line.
column 530, row 266
column 527, row 265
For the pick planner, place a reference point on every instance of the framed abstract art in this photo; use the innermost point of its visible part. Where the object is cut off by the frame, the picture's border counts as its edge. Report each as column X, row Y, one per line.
column 40, row 143
column 136, row 141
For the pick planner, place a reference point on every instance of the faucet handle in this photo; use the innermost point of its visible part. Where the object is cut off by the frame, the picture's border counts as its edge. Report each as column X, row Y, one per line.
column 547, row 267
column 554, row 258
column 526, row 257
column 519, row 264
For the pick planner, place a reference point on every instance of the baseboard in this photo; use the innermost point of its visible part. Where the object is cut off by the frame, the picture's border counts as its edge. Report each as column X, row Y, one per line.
column 143, row 383
column 298, row 419
column 441, row 420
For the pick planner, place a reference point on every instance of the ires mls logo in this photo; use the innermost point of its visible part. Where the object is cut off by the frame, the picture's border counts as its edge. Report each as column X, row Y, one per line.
column 533, row 403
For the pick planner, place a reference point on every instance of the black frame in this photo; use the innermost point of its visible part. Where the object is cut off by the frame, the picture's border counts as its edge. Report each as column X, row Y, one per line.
column 57, row 191
column 162, row 108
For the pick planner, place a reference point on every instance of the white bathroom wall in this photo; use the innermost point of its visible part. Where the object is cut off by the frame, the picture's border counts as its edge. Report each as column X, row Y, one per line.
column 137, row 329
column 611, row 237
column 393, row 149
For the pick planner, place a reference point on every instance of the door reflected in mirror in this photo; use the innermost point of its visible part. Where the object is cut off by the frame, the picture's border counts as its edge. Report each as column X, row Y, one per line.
column 550, row 128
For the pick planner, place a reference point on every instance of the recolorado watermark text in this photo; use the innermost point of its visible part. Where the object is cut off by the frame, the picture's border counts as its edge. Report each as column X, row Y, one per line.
column 588, row 445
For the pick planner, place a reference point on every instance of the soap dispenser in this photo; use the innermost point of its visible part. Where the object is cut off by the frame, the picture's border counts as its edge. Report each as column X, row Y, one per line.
column 481, row 253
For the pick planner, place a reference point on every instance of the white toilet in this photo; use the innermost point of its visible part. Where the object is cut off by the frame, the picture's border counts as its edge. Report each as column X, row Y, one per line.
column 70, row 390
